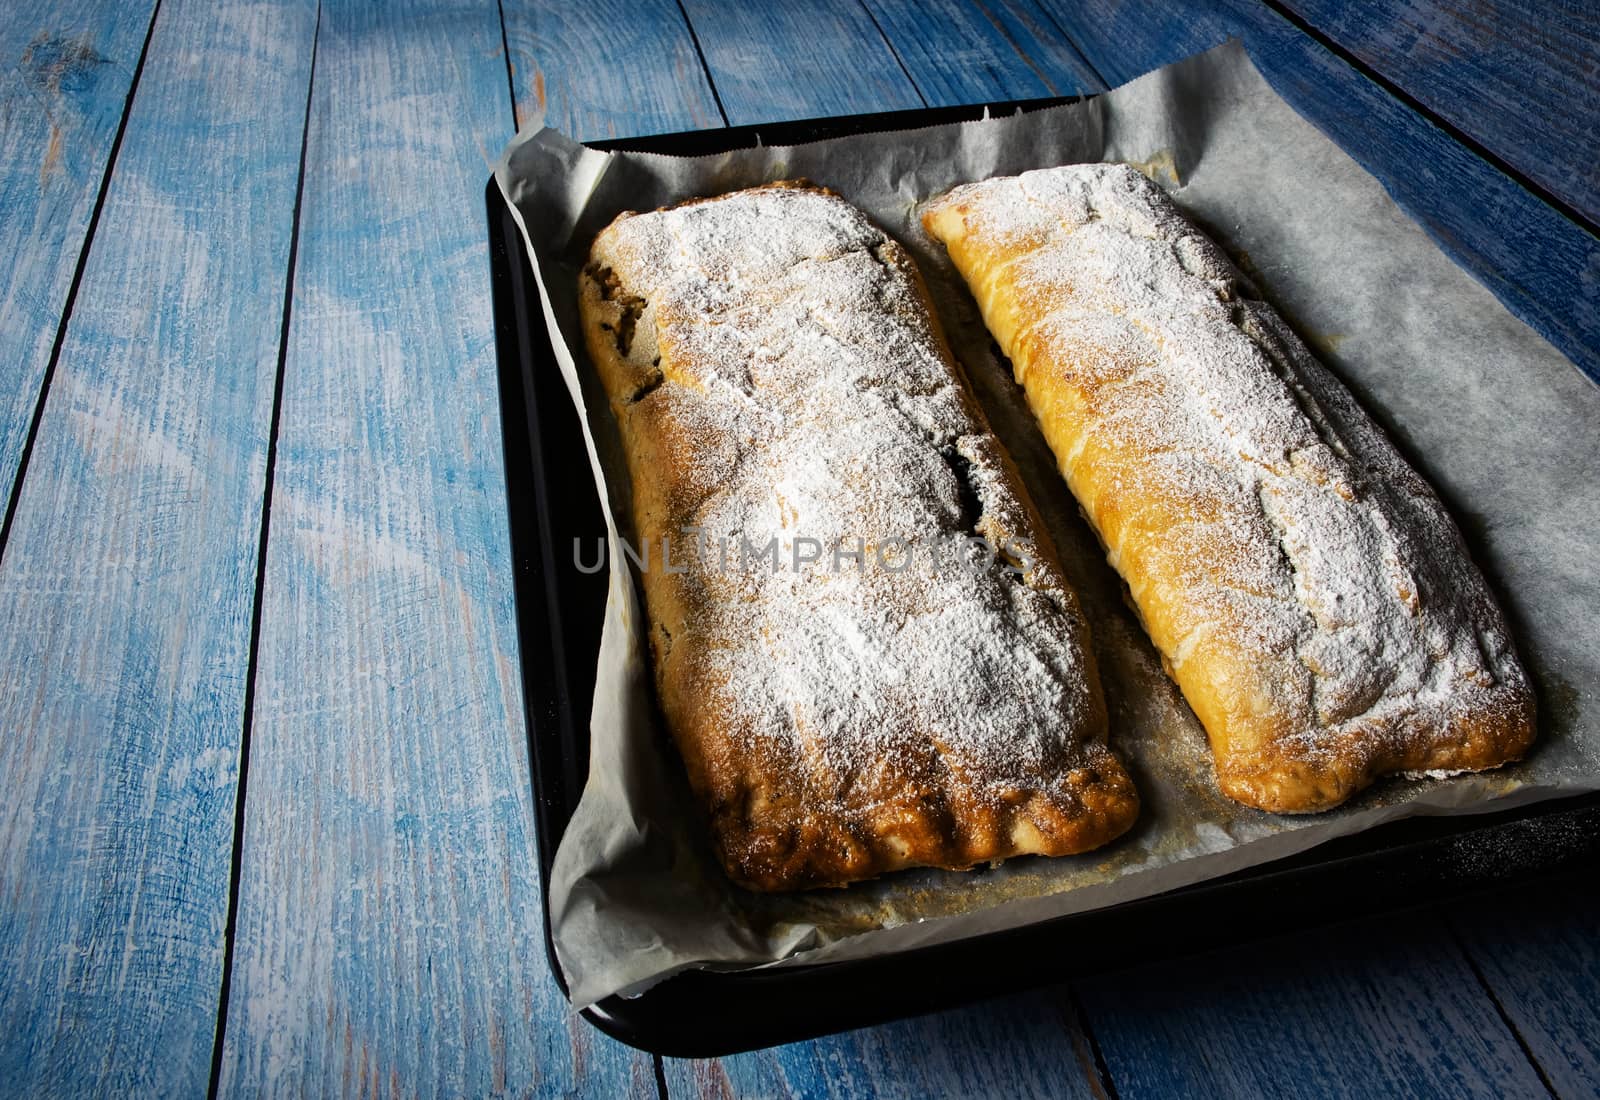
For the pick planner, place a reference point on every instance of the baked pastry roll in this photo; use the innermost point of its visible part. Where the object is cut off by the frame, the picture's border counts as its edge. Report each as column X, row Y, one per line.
column 851, row 691
column 1304, row 586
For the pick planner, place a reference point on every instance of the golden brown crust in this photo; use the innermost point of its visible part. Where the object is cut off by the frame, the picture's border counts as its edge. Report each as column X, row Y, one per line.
column 771, row 358
column 1304, row 586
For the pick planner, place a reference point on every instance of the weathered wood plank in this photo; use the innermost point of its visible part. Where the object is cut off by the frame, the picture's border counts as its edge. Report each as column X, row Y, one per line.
column 127, row 582
column 611, row 68
column 1017, row 1047
column 1520, row 77
column 1539, row 950
column 1541, row 265
column 65, row 70
column 389, row 934
column 1387, row 1007
column 979, row 51
column 775, row 62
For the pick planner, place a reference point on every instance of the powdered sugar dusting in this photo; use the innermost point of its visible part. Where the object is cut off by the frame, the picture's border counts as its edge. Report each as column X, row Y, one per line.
column 782, row 320
column 1309, row 537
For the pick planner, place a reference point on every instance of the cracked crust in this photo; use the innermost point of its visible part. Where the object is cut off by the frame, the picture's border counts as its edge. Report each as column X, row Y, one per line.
column 1304, row 586
column 771, row 358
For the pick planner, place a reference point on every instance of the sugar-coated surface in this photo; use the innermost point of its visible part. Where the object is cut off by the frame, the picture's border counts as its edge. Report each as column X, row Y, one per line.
column 783, row 351
column 1245, row 477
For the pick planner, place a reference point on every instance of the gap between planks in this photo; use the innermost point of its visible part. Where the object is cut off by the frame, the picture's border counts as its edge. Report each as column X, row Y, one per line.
column 21, row 474
column 1460, row 136
column 236, row 857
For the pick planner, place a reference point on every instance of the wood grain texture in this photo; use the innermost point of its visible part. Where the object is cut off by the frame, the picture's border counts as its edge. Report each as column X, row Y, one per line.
column 1539, row 950
column 127, row 584
column 979, row 51
column 389, row 912
column 1386, row 1007
column 790, row 60
column 1541, row 265
column 609, row 68
column 1017, row 1047
column 389, row 934
column 65, row 70
column 1520, row 77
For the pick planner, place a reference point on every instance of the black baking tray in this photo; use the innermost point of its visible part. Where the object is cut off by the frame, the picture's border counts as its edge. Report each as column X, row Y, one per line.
column 551, row 499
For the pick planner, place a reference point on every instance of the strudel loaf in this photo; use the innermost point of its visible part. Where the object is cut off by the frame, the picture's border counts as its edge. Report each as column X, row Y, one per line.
column 1304, row 586
column 866, row 692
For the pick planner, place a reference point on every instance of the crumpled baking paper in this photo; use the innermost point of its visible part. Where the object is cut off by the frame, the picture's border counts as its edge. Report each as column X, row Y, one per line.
column 1501, row 424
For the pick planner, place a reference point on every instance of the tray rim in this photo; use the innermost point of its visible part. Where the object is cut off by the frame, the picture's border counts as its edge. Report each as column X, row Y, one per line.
column 709, row 1013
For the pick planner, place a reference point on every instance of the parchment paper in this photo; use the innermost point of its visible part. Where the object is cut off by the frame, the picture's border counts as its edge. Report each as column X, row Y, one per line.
column 1502, row 424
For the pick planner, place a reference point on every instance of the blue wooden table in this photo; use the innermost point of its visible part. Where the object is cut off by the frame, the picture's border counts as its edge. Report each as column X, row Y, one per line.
column 266, row 814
